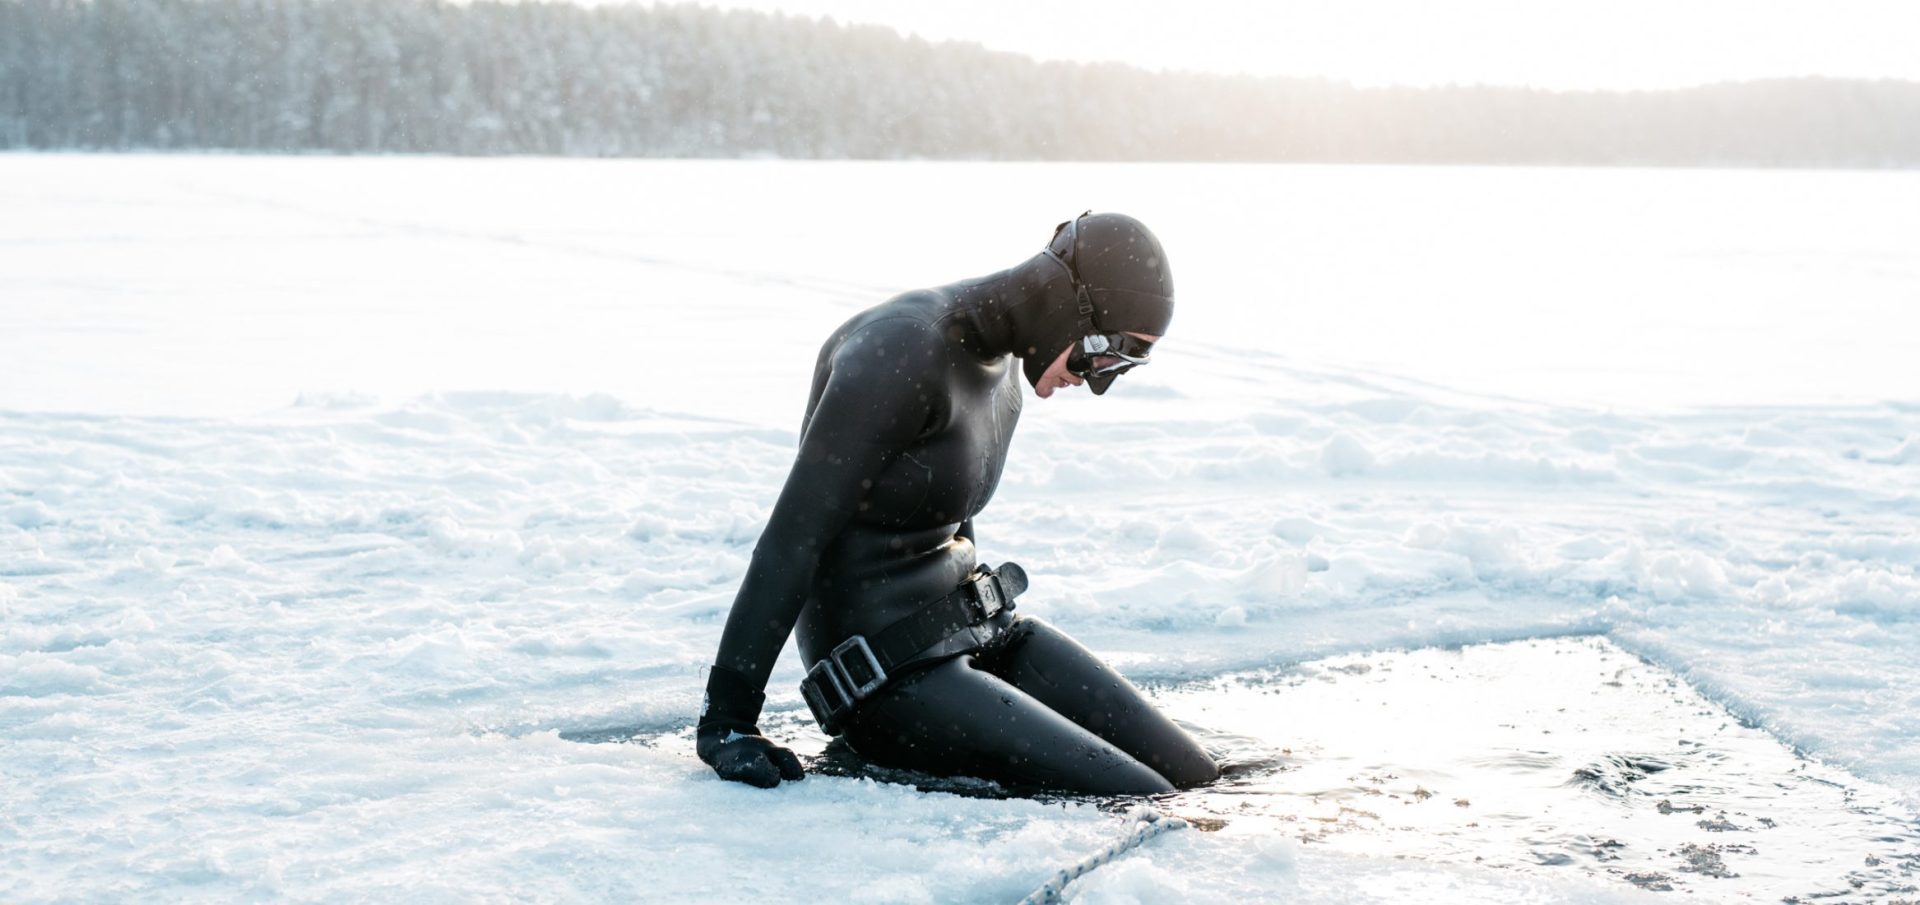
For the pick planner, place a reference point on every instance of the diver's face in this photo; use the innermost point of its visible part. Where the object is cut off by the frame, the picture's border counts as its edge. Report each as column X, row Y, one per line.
column 1057, row 377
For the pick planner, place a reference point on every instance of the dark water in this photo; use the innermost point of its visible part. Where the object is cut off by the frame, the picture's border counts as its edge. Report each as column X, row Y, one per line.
column 1545, row 756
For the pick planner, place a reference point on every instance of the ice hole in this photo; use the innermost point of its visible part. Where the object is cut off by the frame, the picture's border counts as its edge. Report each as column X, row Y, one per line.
column 1545, row 755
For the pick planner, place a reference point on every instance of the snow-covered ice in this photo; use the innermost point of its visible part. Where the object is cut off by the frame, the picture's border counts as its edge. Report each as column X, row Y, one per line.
column 339, row 498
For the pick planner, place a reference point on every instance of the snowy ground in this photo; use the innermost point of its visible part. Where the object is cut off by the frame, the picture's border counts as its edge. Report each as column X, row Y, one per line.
column 333, row 492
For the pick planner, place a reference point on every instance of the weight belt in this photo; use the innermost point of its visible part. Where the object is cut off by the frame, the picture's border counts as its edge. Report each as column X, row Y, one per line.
column 860, row 666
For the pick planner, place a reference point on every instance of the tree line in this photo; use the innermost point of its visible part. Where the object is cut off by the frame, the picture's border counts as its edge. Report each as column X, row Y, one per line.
column 487, row 77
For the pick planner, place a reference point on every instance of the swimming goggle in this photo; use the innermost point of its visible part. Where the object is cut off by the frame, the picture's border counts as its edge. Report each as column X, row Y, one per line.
column 1098, row 357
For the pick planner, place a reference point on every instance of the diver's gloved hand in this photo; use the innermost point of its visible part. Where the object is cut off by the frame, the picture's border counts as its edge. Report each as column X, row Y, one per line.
column 748, row 757
column 729, row 741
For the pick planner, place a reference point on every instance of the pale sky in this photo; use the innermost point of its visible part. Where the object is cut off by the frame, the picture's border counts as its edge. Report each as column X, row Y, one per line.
column 1545, row 43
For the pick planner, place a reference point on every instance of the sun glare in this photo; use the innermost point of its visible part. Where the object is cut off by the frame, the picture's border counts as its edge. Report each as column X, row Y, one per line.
column 1558, row 45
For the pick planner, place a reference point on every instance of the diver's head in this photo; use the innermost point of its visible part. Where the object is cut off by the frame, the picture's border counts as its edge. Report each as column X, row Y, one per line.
column 1118, row 301
column 1074, row 366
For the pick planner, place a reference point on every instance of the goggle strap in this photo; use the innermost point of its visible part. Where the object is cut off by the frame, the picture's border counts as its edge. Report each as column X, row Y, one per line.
column 1049, row 252
column 1083, row 299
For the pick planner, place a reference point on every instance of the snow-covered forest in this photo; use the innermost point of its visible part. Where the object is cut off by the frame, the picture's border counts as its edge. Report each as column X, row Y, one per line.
column 555, row 78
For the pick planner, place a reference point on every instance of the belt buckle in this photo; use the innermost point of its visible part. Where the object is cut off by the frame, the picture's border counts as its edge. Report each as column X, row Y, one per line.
column 987, row 596
column 876, row 676
column 820, row 680
column 832, row 687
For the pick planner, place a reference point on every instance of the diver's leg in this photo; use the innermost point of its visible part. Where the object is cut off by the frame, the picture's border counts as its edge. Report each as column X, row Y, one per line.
column 1043, row 662
column 954, row 719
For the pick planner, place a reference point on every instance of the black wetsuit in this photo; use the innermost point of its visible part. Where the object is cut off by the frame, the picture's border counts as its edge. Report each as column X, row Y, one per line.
column 907, row 429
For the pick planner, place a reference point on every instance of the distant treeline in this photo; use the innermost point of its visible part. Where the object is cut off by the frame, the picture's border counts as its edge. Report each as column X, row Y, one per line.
column 617, row 80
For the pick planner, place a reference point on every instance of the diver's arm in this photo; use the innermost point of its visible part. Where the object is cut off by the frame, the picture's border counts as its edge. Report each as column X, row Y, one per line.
column 871, row 409
column 874, row 404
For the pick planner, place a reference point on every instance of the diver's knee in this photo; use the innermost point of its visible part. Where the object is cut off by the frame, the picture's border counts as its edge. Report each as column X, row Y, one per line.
column 1185, row 763
column 1122, row 775
column 1149, row 783
column 1199, row 772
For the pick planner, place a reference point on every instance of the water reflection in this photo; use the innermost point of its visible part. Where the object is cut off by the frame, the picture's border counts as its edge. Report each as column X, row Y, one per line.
column 1537, row 756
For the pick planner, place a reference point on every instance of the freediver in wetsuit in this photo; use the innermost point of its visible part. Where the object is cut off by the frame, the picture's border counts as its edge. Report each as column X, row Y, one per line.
column 916, row 656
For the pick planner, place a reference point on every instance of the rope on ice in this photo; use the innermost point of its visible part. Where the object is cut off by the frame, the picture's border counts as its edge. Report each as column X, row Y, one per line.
column 1150, row 824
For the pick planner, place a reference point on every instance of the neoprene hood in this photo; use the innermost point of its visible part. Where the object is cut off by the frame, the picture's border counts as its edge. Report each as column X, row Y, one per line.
column 1125, row 271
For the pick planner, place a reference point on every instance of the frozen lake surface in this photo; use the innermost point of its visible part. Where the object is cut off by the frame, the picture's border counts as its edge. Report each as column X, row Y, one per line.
column 391, row 277
column 339, row 498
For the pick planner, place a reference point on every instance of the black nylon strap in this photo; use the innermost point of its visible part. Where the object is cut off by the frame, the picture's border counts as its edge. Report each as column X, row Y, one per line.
column 956, row 623
column 936, row 622
column 1083, row 300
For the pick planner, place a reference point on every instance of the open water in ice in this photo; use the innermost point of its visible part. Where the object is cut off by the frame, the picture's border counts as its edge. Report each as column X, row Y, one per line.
column 1545, row 756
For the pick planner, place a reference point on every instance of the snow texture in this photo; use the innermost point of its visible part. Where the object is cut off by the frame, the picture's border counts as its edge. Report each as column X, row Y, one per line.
column 333, row 493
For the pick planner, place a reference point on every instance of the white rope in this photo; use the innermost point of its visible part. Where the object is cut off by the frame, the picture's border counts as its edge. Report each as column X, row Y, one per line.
column 1150, row 824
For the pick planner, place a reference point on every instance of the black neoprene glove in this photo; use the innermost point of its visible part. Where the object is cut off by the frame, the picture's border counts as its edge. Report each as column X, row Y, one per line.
column 729, row 741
